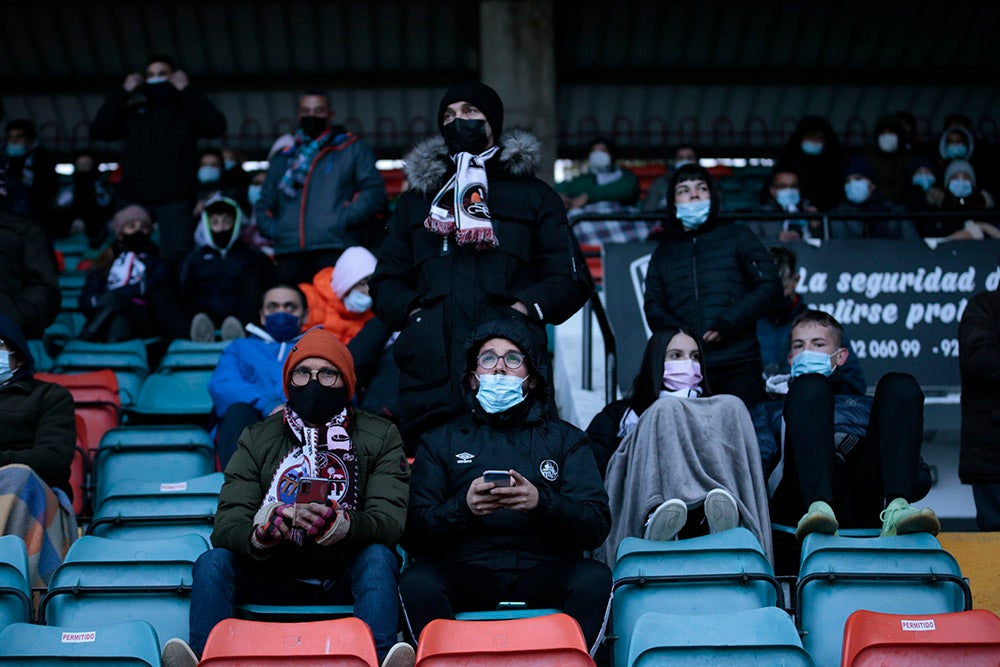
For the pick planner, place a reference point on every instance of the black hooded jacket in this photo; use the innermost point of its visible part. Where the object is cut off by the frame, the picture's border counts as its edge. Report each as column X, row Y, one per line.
column 572, row 513
column 29, row 287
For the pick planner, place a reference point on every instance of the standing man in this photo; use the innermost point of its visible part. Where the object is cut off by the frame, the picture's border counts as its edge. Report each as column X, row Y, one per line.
column 321, row 194
column 28, row 179
column 160, row 118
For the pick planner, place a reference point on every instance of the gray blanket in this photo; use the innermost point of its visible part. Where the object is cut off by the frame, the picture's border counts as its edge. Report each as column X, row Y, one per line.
column 683, row 448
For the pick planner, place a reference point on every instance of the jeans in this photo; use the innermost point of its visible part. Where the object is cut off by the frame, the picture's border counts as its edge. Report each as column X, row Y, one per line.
column 987, row 497
column 238, row 416
column 222, row 579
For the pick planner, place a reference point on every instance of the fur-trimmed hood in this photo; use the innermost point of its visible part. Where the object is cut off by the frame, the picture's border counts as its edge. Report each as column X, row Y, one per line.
column 427, row 165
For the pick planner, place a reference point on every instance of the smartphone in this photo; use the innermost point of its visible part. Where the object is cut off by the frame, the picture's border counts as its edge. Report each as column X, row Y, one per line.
column 498, row 477
column 313, row 490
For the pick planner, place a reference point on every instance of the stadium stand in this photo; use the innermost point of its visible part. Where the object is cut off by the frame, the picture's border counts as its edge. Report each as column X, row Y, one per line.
column 126, row 359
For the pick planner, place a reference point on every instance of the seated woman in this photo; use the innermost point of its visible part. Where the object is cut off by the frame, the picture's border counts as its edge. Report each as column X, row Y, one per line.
column 665, row 454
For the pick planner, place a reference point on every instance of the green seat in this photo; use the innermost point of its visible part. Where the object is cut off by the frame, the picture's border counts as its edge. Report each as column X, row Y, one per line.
column 128, row 644
column 175, row 393
column 155, row 510
column 126, row 359
column 15, row 600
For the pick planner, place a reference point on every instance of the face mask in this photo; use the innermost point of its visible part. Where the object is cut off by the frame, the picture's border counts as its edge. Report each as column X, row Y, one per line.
column 810, row 361
column 156, row 80
column 888, row 143
column 856, row 191
column 498, row 393
column 312, row 126
column 923, row 180
column 222, row 239
column 680, row 163
column 960, row 187
column 282, row 326
column 315, row 403
column 229, row 164
column 599, row 160
column 465, row 135
column 681, row 374
column 253, row 194
column 16, row 150
column 955, row 151
column 812, row 147
column 693, row 214
column 208, row 174
column 6, row 372
column 787, row 197
column 357, row 301
column 137, row 242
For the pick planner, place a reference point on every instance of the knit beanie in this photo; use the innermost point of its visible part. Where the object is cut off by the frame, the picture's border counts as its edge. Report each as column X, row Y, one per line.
column 322, row 344
column 355, row 264
column 479, row 95
column 128, row 213
column 956, row 166
column 861, row 166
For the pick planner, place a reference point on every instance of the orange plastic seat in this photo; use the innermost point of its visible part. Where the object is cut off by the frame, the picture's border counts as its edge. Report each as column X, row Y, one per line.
column 525, row 642
column 967, row 638
column 96, row 399
column 344, row 642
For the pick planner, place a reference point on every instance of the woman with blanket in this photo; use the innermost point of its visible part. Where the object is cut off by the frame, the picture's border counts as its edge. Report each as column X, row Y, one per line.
column 664, row 454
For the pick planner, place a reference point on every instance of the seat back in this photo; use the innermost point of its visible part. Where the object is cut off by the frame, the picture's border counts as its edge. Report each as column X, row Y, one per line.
column 528, row 642
column 175, row 392
column 186, row 354
column 967, row 638
column 79, row 468
column 95, row 398
column 133, row 643
column 345, row 641
column 15, row 600
column 155, row 510
column 126, row 359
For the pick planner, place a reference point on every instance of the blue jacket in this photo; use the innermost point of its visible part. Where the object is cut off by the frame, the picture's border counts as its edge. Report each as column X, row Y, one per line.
column 249, row 371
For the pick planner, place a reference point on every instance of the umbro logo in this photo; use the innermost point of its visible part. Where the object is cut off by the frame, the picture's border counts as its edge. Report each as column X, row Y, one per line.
column 465, row 457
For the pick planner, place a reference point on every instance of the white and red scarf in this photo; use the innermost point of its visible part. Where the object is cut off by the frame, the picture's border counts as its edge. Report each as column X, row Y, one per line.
column 461, row 206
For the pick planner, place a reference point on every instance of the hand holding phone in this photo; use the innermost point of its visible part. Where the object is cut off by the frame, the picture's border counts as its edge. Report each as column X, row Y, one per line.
column 313, row 490
column 498, row 477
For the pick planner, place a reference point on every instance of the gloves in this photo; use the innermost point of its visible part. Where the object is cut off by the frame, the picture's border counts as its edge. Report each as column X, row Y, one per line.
column 267, row 525
column 337, row 528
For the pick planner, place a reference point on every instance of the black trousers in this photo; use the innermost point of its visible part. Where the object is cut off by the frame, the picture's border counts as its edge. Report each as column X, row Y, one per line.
column 238, row 416
column 580, row 587
column 300, row 267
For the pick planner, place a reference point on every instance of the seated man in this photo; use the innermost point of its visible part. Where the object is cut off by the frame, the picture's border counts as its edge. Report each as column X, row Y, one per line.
column 861, row 191
column 37, row 436
column 604, row 181
column 505, row 498
column 843, row 449
column 784, row 196
column 277, row 542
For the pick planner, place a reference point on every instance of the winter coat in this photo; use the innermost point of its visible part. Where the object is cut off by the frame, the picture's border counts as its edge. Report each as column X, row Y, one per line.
column 979, row 361
column 29, row 287
column 327, row 309
column 31, row 184
column 604, row 430
column 457, row 287
column 572, row 513
column 249, row 371
column 845, row 228
column 382, row 494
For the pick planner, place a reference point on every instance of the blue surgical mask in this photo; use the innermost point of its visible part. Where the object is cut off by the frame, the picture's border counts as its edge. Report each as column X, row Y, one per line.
column 498, row 393
column 253, row 194
column 923, row 180
column 788, row 197
column 208, row 174
column 16, row 150
column 6, row 372
column 810, row 361
column 693, row 214
column 856, row 190
column 960, row 187
column 357, row 301
column 812, row 147
column 153, row 80
column 229, row 164
column 888, row 142
column 955, row 151
column 599, row 160
column 282, row 326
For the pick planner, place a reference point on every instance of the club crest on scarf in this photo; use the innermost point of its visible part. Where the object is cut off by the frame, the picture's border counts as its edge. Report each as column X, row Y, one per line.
column 474, row 202
column 461, row 205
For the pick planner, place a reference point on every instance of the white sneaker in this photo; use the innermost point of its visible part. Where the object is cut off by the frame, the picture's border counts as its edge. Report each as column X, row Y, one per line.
column 231, row 329
column 177, row 653
column 666, row 520
column 721, row 511
column 202, row 329
column 400, row 655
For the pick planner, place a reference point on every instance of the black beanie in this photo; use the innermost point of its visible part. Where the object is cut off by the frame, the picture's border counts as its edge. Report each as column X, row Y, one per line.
column 480, row 96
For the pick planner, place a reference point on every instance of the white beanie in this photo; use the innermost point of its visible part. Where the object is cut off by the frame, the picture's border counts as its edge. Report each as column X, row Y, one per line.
column 354, row 265
column 959, row 166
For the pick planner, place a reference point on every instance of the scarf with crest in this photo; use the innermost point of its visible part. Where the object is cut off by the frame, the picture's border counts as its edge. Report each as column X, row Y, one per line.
column 461, row 206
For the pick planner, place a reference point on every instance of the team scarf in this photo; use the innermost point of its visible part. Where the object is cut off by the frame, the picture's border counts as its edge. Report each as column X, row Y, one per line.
column 461, row 206
column 302, row 153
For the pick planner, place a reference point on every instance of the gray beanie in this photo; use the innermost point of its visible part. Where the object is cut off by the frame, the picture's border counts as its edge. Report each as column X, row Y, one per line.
column 956, row 166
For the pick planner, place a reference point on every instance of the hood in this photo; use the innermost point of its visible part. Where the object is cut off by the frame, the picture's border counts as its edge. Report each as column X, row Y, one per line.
column 209, row 239
column 969, row 141
column 428, row 164
column 686, row 173
column 12, row 333
column 518, row 333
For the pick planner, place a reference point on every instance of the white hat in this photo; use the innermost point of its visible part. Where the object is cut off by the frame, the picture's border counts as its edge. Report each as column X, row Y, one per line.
column 354, row 265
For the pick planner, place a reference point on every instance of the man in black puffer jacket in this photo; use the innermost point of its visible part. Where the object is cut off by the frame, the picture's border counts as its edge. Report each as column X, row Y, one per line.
column 475, row 543
column 29, row 286
column 716, row 278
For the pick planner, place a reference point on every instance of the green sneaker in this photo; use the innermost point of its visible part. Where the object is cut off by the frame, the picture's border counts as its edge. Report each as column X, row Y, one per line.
column 818, row 519
column 901, row 519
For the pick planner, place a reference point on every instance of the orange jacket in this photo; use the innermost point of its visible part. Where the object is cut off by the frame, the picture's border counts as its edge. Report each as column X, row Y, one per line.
column 327, row 309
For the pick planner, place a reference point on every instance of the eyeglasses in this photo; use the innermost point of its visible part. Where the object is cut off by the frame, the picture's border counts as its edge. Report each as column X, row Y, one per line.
column 511, row 360
column 327, row 377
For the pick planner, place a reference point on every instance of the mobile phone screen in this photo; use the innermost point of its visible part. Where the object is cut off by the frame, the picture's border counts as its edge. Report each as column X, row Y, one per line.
column 498, row 477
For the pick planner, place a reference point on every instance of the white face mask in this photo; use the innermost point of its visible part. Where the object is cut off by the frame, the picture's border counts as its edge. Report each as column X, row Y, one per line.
column 889, row 143
column 6, row 372
column 599, row 160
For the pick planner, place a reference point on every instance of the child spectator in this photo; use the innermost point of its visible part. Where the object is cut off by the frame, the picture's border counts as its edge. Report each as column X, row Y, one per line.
column 338, row 295
column 963, row 194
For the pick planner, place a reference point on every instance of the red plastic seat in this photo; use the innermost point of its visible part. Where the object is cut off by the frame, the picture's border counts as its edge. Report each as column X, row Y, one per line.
column 345, row 642
column 524, row 642
column 78, row 471
column 592, row 254
column 967, row 638
column 95, row 395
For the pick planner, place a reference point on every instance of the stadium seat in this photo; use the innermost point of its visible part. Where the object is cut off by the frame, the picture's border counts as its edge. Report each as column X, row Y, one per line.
column 764, row 636
column 95, row 398
column 344, row 641
column 127, row 359
column 526, row 642
column 967, row 638
column 129, row 644
column 174, row 393
column 79, row 468
column 15, row 600
column 124, row 580
column 290, row 613
column 156, row 510
column 43, row 362
column 905, row 574
column 503, row 612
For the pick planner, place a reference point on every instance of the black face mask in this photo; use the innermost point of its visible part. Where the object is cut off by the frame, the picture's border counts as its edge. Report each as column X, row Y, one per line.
column 137, row 242
column 315, row 403
column 312, row 126
column 159, row 91
column 221, row 239
column 465, row 135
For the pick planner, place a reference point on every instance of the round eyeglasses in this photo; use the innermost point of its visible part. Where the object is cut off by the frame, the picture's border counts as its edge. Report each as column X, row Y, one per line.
column 326, row 377
column 511, row 360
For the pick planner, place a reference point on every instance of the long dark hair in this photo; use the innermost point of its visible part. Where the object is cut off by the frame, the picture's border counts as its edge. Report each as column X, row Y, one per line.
column 649, row 381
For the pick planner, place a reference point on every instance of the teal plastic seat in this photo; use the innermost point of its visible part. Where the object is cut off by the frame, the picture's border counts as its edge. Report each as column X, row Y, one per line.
column 504, row 614
column 175, row 393
column 126, row 359
column 293, row 613
column 43, row 362
column 129, row 644
column 15, row 595
column 905, row 574
column 765, row 636
column 156, row 510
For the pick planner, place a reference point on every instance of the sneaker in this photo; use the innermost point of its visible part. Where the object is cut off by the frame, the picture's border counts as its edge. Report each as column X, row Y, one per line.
column 231, row 328
column 819, row 519
column 721, row 511
column 400, row 655
column 177, row 653
column 202, row 328
column 666, row 520
column 901, row 519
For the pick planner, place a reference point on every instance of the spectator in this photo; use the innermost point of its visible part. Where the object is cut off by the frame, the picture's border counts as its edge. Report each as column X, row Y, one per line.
column 272, row 546
column 891, row 159
column 923, row 194
column 784, row 195
column 475, row 542
column 815, row 148
column 233, row 175
column 86, row 199
column 29, row 287
column 321, row 194
column 28, row 180
column 252, row 233
column 36, row 452
column 246, row 385
column 857, row 453
column 338, row 295
column 981, row 154
column 701, row 455
column 223, row 277
column 604, row 181
column 716, row 276
column 439, row 277
column 962, row 194
column 656, row 196
column 160, row 117
column 979, row 360
column 861, row 190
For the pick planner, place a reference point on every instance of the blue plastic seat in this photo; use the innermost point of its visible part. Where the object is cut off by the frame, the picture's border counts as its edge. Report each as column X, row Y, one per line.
column 180, row 392
column 906, row 574
column 292, row 613
column 129, row 644
column 126, row 359
column 15, row 600
column 156, row 510
column 43, row 362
